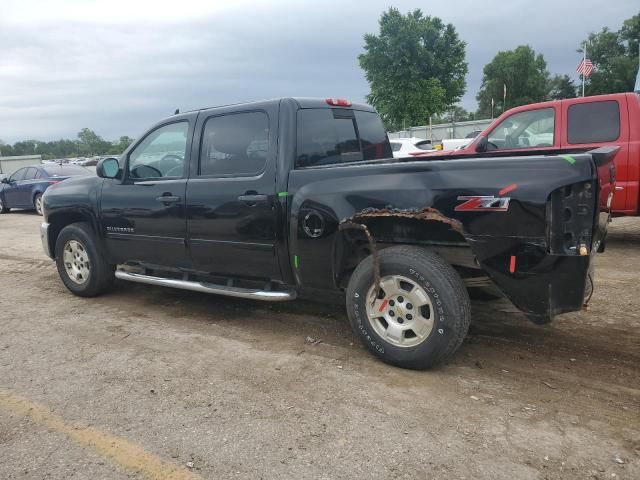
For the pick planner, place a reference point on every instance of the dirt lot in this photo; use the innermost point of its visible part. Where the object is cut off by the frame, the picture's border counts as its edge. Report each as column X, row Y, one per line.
column 153, row 383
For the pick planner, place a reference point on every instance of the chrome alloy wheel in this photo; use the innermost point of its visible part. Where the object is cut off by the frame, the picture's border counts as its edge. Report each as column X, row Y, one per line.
column 402, row 314
column 76, row 262
column 39, row 204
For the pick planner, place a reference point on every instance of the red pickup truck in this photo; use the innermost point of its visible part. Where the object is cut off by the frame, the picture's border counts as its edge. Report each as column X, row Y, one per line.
column 573, row 125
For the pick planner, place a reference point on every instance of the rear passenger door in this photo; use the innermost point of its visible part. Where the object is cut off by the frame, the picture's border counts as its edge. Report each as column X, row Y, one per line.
column 231, row 209
column 592, row 124
column 26, row 187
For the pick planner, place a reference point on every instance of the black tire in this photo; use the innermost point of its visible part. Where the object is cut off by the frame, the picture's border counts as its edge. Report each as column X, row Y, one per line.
column 446, row 292
column 37, row 203
column 3, row 207
column 101, row 274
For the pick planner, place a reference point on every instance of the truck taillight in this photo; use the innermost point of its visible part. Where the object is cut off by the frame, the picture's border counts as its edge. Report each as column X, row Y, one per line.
column 338, row 102
column 570, row 218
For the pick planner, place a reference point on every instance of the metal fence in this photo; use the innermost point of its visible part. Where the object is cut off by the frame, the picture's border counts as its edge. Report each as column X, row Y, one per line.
column 8, row 165
column 442, row 131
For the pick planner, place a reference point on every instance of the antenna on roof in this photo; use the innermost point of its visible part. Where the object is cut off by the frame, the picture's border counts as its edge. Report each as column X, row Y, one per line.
column 177, row 111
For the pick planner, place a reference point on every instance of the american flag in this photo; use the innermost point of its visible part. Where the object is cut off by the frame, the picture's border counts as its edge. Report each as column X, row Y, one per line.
column 585, row 68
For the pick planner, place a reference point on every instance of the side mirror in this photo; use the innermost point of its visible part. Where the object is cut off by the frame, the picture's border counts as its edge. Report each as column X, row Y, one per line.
column 4, row 180
column 481, row 146
column 108, row 168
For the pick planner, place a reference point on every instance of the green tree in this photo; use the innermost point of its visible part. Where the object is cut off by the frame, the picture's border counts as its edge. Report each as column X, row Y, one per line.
column 91, row 143
column 121, row 145
column 456, row 113
column 415, row 67
column 615, row 58
column 88, row 141
column 523, row 73
column 561, row 87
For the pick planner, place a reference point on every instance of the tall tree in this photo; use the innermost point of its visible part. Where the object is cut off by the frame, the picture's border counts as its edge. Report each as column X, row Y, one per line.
column 523, row 73
column 415, row 67
column 121, row 145
column 615, row 58
column 561, row 87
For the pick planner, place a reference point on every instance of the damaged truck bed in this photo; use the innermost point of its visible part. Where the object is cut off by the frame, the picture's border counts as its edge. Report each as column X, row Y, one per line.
column 273, row 199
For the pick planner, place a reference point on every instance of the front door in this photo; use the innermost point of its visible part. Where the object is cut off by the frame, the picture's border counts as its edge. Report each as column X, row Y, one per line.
column 144, row 213
column 231, row 194
column 12, row 189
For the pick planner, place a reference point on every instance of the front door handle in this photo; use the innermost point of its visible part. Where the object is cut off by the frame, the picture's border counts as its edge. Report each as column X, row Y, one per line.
column 253, row 199
column 168, row 198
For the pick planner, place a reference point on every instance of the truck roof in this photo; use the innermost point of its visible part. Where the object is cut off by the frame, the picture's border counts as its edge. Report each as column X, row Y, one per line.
column 303, row 102
column 593, row 98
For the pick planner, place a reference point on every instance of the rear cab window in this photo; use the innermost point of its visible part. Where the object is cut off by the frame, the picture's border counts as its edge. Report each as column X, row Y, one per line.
column 329, row 136
column 593, row 122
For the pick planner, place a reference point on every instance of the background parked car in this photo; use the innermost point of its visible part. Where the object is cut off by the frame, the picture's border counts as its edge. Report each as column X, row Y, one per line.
column 403, row 147
column 25, row 187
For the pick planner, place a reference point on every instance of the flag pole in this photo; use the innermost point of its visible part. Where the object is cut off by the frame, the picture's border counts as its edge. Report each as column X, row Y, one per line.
column 584, row 61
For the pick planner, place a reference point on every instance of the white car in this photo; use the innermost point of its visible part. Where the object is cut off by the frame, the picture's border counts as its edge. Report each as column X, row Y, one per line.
column 404, row 147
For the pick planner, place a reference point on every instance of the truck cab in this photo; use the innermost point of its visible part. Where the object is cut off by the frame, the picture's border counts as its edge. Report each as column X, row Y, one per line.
column 572, row 125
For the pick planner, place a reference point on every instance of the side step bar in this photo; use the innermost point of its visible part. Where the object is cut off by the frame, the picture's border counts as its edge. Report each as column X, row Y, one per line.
column 265, row 295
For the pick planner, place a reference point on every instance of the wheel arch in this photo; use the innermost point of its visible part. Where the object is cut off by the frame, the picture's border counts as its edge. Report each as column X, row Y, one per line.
column 36, row 191
column 358, row 238
column 59, row 220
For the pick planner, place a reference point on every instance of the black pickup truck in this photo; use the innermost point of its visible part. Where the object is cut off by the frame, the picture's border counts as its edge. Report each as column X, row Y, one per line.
column 273, row 199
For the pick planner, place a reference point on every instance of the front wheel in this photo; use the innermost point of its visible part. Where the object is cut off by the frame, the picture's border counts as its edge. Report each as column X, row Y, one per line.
column 81, row 267
column 37, row 203
column 3, row 207
column 419, row 315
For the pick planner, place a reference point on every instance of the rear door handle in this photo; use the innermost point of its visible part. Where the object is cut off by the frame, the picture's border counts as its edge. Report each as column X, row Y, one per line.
column 168, row 198
column 253, row 199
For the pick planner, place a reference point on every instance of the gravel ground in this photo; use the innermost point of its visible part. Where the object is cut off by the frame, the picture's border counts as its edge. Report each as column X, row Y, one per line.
column 148, row 382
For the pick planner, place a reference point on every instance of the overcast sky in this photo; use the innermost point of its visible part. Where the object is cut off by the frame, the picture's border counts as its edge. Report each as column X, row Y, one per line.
column 117, row 66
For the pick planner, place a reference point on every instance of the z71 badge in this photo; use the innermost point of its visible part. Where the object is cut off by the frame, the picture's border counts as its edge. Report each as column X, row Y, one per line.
column 483, row 204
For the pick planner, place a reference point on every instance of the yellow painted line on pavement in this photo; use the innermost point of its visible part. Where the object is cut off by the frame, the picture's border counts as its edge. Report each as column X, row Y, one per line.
column 120, row 451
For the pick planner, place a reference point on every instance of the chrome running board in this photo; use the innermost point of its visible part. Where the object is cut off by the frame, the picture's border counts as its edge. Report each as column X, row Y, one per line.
column 265, row 295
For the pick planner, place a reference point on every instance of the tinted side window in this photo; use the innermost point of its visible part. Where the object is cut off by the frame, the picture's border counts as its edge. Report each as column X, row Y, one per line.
column 235, row 144
column 31, row 173
column 593, row 122
column 373, row 138
column 161, row 153
column 326, row 136
column 19, row 175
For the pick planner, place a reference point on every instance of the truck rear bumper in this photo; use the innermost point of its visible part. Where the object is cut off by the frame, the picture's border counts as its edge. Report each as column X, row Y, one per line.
column 540, row 284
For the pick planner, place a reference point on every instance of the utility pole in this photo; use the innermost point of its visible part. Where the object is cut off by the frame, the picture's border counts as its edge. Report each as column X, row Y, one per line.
column 584, row 61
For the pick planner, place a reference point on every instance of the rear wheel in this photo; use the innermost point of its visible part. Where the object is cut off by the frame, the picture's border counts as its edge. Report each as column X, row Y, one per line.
column 3, row 207
column 80, row 266
column 37, row 203
column 420, row 313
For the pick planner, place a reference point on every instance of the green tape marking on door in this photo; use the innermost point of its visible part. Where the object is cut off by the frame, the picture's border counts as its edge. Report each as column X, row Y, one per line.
column 569, row 159
column 295, row 261
column 282, row 194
